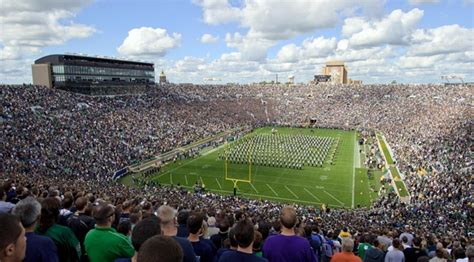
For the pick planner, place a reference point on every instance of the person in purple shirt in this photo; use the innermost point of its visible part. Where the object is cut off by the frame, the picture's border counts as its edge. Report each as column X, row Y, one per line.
column 287, row 246
column 244, row 235
column 38, row 248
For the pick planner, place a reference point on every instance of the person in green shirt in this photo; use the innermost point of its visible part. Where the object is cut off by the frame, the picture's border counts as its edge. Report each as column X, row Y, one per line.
column 103, row 243
column 364, row 245
column 69, row 248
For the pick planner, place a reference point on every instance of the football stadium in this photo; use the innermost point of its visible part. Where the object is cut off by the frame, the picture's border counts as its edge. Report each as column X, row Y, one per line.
column 228, row 131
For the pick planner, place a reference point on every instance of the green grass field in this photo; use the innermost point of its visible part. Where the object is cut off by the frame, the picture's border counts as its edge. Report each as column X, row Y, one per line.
column 343, row 184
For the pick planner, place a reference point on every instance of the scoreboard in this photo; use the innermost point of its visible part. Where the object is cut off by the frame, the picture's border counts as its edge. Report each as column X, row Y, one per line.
column 322, row 78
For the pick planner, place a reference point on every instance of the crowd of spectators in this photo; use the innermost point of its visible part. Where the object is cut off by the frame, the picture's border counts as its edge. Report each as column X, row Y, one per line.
column 59, row 151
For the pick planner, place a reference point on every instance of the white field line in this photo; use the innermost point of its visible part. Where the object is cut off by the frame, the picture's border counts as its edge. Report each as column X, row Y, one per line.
column 254, row 188
column 186, row 179
column 171, row 178
column 212, row 150
column 333, row 197
column 287, row 188
column 271, row 197
column 178, row 167
column 272, row 189
column 202, row 182
column 315, row 197
column 219, row 184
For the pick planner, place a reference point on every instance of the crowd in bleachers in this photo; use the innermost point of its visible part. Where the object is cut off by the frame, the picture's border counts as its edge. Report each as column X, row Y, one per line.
column 62, row 149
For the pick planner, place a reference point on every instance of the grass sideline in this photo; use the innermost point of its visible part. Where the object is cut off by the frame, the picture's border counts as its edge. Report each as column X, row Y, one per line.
column 393, row 170
column 331, row 185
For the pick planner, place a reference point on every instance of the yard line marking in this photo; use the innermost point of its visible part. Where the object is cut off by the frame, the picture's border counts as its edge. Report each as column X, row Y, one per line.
column 219, row 184
column 254, row 188
column 272, row 197
column 178, row 167
column 171, row 178
column 315, row 197
column 287, row 188
column 186, row 179
column 202, row 182
column 333, row 197
column 272, row 189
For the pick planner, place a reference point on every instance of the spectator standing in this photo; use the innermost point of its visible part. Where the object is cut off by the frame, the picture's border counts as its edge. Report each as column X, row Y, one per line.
column 413, row 253
column 375, row 254
column 80, row 223
column 169, row 227
column 104, row 243
column 5, row 207
column 69, row 248
column 143, row 231
column 38, row 248
column 244, row 234
column 396, row 254
column 286, row 247
column 202, row 247
column 12, row 240
column 346, row 255
column 364, row 246
column 160, row 249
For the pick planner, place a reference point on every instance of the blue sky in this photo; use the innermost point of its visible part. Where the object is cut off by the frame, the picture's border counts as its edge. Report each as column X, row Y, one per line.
column 413, row 41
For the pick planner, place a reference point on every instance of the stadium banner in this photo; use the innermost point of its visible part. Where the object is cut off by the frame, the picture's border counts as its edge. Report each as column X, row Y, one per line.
column 120, row 173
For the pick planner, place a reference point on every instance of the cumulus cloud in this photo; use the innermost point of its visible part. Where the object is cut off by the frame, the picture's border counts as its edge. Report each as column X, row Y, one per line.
column 251, row 48
column 395, row 29
column 441, row 40
column 148, row 42
column 269, row 22
column 209, row 39
column 218, row 11
column 310, row 48
column 28, row 26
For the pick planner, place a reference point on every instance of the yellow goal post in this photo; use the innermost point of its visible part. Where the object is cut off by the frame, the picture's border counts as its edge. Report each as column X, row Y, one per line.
column 226, row 168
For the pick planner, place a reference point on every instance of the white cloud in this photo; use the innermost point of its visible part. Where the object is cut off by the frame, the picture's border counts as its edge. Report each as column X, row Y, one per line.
column 289, row 53
column 269, row 21
column 28, row 26
column 190, row 64
column 218, row 11
column 442, row 40
column 395, row 29
column 148, row 42
column 209, row 39
column 286, row 19
column 251, row 48
column 310, row 48
column 413, row 62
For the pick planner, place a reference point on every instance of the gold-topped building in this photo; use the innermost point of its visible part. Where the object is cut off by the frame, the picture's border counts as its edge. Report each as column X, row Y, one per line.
column 162, row 78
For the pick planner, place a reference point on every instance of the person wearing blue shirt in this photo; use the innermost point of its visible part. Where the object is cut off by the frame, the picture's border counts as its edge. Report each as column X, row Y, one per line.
column 38, row 248
column 202, row 247
column 244, row 235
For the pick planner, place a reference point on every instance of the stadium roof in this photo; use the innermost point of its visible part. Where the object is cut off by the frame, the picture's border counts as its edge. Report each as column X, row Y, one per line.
column 57, row 58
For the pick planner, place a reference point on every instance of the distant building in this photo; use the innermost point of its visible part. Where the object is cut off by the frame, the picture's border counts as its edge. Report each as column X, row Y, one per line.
column 337, row 70
column 354, row 82
column 162, row 78
column 291, row 80
column 92, row 75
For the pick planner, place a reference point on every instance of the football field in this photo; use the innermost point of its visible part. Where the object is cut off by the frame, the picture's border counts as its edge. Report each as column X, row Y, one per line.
column 323, row 166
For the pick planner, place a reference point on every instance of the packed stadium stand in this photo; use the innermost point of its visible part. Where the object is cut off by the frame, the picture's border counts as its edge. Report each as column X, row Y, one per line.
column 61, row 149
